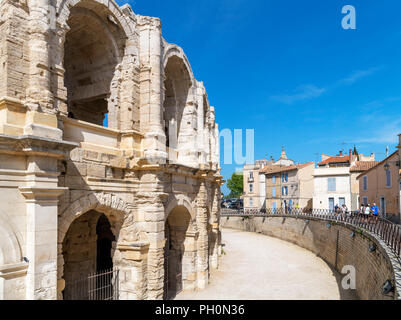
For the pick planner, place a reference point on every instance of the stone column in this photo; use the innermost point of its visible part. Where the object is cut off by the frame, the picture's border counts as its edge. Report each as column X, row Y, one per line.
column 133, row 270
column 38, row 91
column 201, row 123
column 215, row 222
column 203, row 240
column 187, row 139
column 151, row 89
column 189, row 266
column 41, row 248
column 41, row 194
column 41, row 116
column 151, row 216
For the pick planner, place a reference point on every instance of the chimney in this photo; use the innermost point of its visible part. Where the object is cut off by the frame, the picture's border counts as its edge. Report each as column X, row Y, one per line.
column 341, row 153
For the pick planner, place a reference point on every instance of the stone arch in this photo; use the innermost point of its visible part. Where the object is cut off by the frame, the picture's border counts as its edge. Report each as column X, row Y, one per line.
column 180, row 200
column 172, row 50
column 102, row 202
column 63, row 12
column 180, row 249
column 119, row 214
column 10, row 245
column 93, row 50
column 179, row 106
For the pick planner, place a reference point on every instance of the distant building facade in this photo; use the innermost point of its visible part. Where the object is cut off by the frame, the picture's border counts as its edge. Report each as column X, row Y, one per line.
column 335, row 180
column 289, row 186
column 254, row 185
column 380, row 184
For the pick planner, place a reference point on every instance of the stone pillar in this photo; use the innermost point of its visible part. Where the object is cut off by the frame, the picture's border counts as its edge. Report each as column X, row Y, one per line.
column 187, row 139
column 133, row 270
column 201, row 124
column 151, row 216
column 41, row 247
column 38, row 92
column 189, row 266
column 203, row 240
column 40, row 119
column 41, row 194
column 215, row 223
column 150, row 89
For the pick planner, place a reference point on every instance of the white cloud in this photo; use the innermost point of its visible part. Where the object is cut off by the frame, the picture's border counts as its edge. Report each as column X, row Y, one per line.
column 303, row 93
column 311, row 91
column 357, row 75
column 384, row 131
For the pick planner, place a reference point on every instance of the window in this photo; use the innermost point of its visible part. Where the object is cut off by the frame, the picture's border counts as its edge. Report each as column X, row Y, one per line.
column 383, row 206
column 365, row 183
column 251, row 188
column 388, row 178
column 331, row 184
column 284, row 177
column 274, row 179
column 341, row 201
column 284, row 191
column 251, row 175
column 251, row 202
column 365, row 200
column 274, row 192
column 331, row 204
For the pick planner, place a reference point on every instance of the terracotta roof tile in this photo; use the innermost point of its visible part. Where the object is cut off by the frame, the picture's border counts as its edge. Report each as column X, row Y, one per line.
column 276, row 168
column 361, row 166
column 334, row 160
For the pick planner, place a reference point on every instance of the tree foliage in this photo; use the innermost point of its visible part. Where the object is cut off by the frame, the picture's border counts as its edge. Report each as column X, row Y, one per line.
column 236, row 185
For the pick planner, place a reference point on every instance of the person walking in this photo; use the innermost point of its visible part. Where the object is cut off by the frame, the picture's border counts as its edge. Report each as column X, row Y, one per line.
column 375, row 212
column 367, row 212
column 344, row 211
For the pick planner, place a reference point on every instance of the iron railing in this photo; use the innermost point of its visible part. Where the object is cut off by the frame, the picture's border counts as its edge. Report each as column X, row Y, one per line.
column 386, row 230
column 102, row 285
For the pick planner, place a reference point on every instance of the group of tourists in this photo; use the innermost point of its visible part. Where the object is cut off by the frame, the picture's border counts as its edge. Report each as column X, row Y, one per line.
column 368, row 212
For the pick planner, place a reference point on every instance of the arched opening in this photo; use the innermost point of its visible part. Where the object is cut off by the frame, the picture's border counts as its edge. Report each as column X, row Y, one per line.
column 87, row 250
column 177, row 84
column 176, row 254
column 93, row 49
column 105, row 239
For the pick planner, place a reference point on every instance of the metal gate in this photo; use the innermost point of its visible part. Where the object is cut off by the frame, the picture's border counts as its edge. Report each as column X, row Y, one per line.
column 103, row 285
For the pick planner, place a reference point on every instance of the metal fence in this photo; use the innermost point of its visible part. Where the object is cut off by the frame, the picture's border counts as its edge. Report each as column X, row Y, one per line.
column 388, row 231
column 102, row 285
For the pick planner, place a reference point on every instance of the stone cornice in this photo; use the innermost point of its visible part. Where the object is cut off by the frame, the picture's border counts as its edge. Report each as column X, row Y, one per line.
column 33, row 194
column 135, row 251
column 8, row 271
column 32, row 145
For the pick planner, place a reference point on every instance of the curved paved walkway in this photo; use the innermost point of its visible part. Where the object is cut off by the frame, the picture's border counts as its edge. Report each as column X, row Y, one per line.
column 258, row 267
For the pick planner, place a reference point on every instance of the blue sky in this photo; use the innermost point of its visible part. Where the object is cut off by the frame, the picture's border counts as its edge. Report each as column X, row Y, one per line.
column 289, row 71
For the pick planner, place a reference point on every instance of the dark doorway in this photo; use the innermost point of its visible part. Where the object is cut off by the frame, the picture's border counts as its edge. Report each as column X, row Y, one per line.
column 105, row 237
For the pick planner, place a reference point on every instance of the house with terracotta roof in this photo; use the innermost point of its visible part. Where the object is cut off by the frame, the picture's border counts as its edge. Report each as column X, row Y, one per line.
column 335, row 181
column 380, row 184
column 254, row 195
column 289, row 185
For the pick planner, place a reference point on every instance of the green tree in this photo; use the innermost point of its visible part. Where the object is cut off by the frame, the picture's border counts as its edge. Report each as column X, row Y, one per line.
column 236, row 185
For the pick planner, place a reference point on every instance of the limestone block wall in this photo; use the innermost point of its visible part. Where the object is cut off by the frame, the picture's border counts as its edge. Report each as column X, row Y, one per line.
column 81, row 59
column 334, row 245
column 14, row 51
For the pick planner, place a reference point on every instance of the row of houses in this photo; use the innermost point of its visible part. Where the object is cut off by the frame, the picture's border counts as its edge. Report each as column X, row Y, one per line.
column 352, row 179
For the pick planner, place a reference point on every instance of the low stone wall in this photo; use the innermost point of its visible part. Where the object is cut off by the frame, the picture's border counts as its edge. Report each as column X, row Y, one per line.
column 335, row 245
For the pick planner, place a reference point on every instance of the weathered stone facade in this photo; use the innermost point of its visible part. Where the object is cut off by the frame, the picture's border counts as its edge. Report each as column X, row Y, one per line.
column 141, row 195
